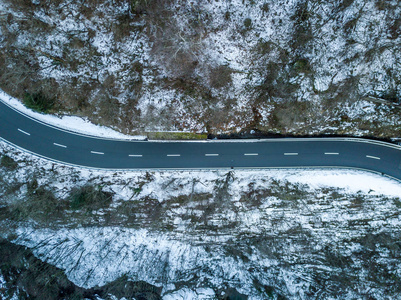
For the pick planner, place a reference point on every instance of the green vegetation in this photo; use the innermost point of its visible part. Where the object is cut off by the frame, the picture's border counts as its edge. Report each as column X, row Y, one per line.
column 89, row 197
column 39, row 102
column 248, row 23
column 391, row 95
column 265, row 7
column 8, row 163
column 302, row 66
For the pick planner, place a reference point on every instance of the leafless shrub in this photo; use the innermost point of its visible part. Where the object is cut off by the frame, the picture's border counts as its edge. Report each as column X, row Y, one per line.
column 108, row 109
column 350, row 25
column 345, row 91
column 220, row 76
column 89, row 197
column 148, row 7
column 275, row 84
column 382, row 4
column 76, row 94
column 177, row 48
column 336, row 259
column 344, row 4
column 291, row 115
column 395, row 29
column 124, row 26
column 8, row 163
column 178, row 52
column 302, row 32
column 39, row 205
column 265, row 7
column 254, row 197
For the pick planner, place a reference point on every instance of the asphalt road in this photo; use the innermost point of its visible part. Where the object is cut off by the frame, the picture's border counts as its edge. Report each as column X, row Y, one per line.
column 71, row 148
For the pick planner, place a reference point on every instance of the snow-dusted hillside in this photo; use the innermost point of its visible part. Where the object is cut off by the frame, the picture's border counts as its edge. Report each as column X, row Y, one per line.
column 300, row 234
column 218, row 66
column 300, row 67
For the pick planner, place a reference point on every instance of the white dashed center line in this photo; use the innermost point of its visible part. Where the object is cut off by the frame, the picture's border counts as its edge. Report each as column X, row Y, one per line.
column 211, row 154
column 331, row 153
column 95, row 152
column 24, row 132
column 135, row 155
column 59, row 145
column 374, row 157
column 173, row 155
column 251, row 154
column 290, row 153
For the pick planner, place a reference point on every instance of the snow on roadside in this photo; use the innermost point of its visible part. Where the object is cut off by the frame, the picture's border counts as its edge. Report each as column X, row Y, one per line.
column 351, row 181
column 348, row 180
column 71, row 123
column 94, row 256
column 162, row 185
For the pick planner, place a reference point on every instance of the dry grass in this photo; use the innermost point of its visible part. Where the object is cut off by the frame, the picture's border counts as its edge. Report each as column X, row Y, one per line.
column 176, row 136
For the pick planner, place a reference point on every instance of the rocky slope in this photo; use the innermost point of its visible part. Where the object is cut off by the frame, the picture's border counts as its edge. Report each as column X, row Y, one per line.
column 23, row 276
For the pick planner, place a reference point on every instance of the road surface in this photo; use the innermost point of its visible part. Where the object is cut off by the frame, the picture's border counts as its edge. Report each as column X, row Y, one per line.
column 75, row 149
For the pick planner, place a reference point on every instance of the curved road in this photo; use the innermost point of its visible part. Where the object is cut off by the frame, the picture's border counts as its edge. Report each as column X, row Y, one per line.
column 71, row 148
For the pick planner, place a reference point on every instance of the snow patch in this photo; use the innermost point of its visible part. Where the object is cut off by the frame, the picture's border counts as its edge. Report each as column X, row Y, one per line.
column 71, row 123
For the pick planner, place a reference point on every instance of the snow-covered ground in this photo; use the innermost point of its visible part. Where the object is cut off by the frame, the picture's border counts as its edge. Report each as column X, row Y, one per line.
column 71, row 123
column 302, row 234
column 2, row 281
column 197, row 233
column 219, row 66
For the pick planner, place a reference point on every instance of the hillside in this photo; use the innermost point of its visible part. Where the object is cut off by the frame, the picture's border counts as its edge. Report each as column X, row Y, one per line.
column 142, row 68
column 279, row 234
column 288, row 67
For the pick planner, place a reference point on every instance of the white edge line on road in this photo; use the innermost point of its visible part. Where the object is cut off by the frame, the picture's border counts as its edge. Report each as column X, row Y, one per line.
column 251, row 154
column 87, row 135
column 135, row 155
column 67, row 130
column 211, row 154
column 374, row 157
column 352, row 139
column 171, row 155
column 59, row 145
column 290, row 153
column 192, row 169
column 331, row 153
column 24, row 132
column 95, row 152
